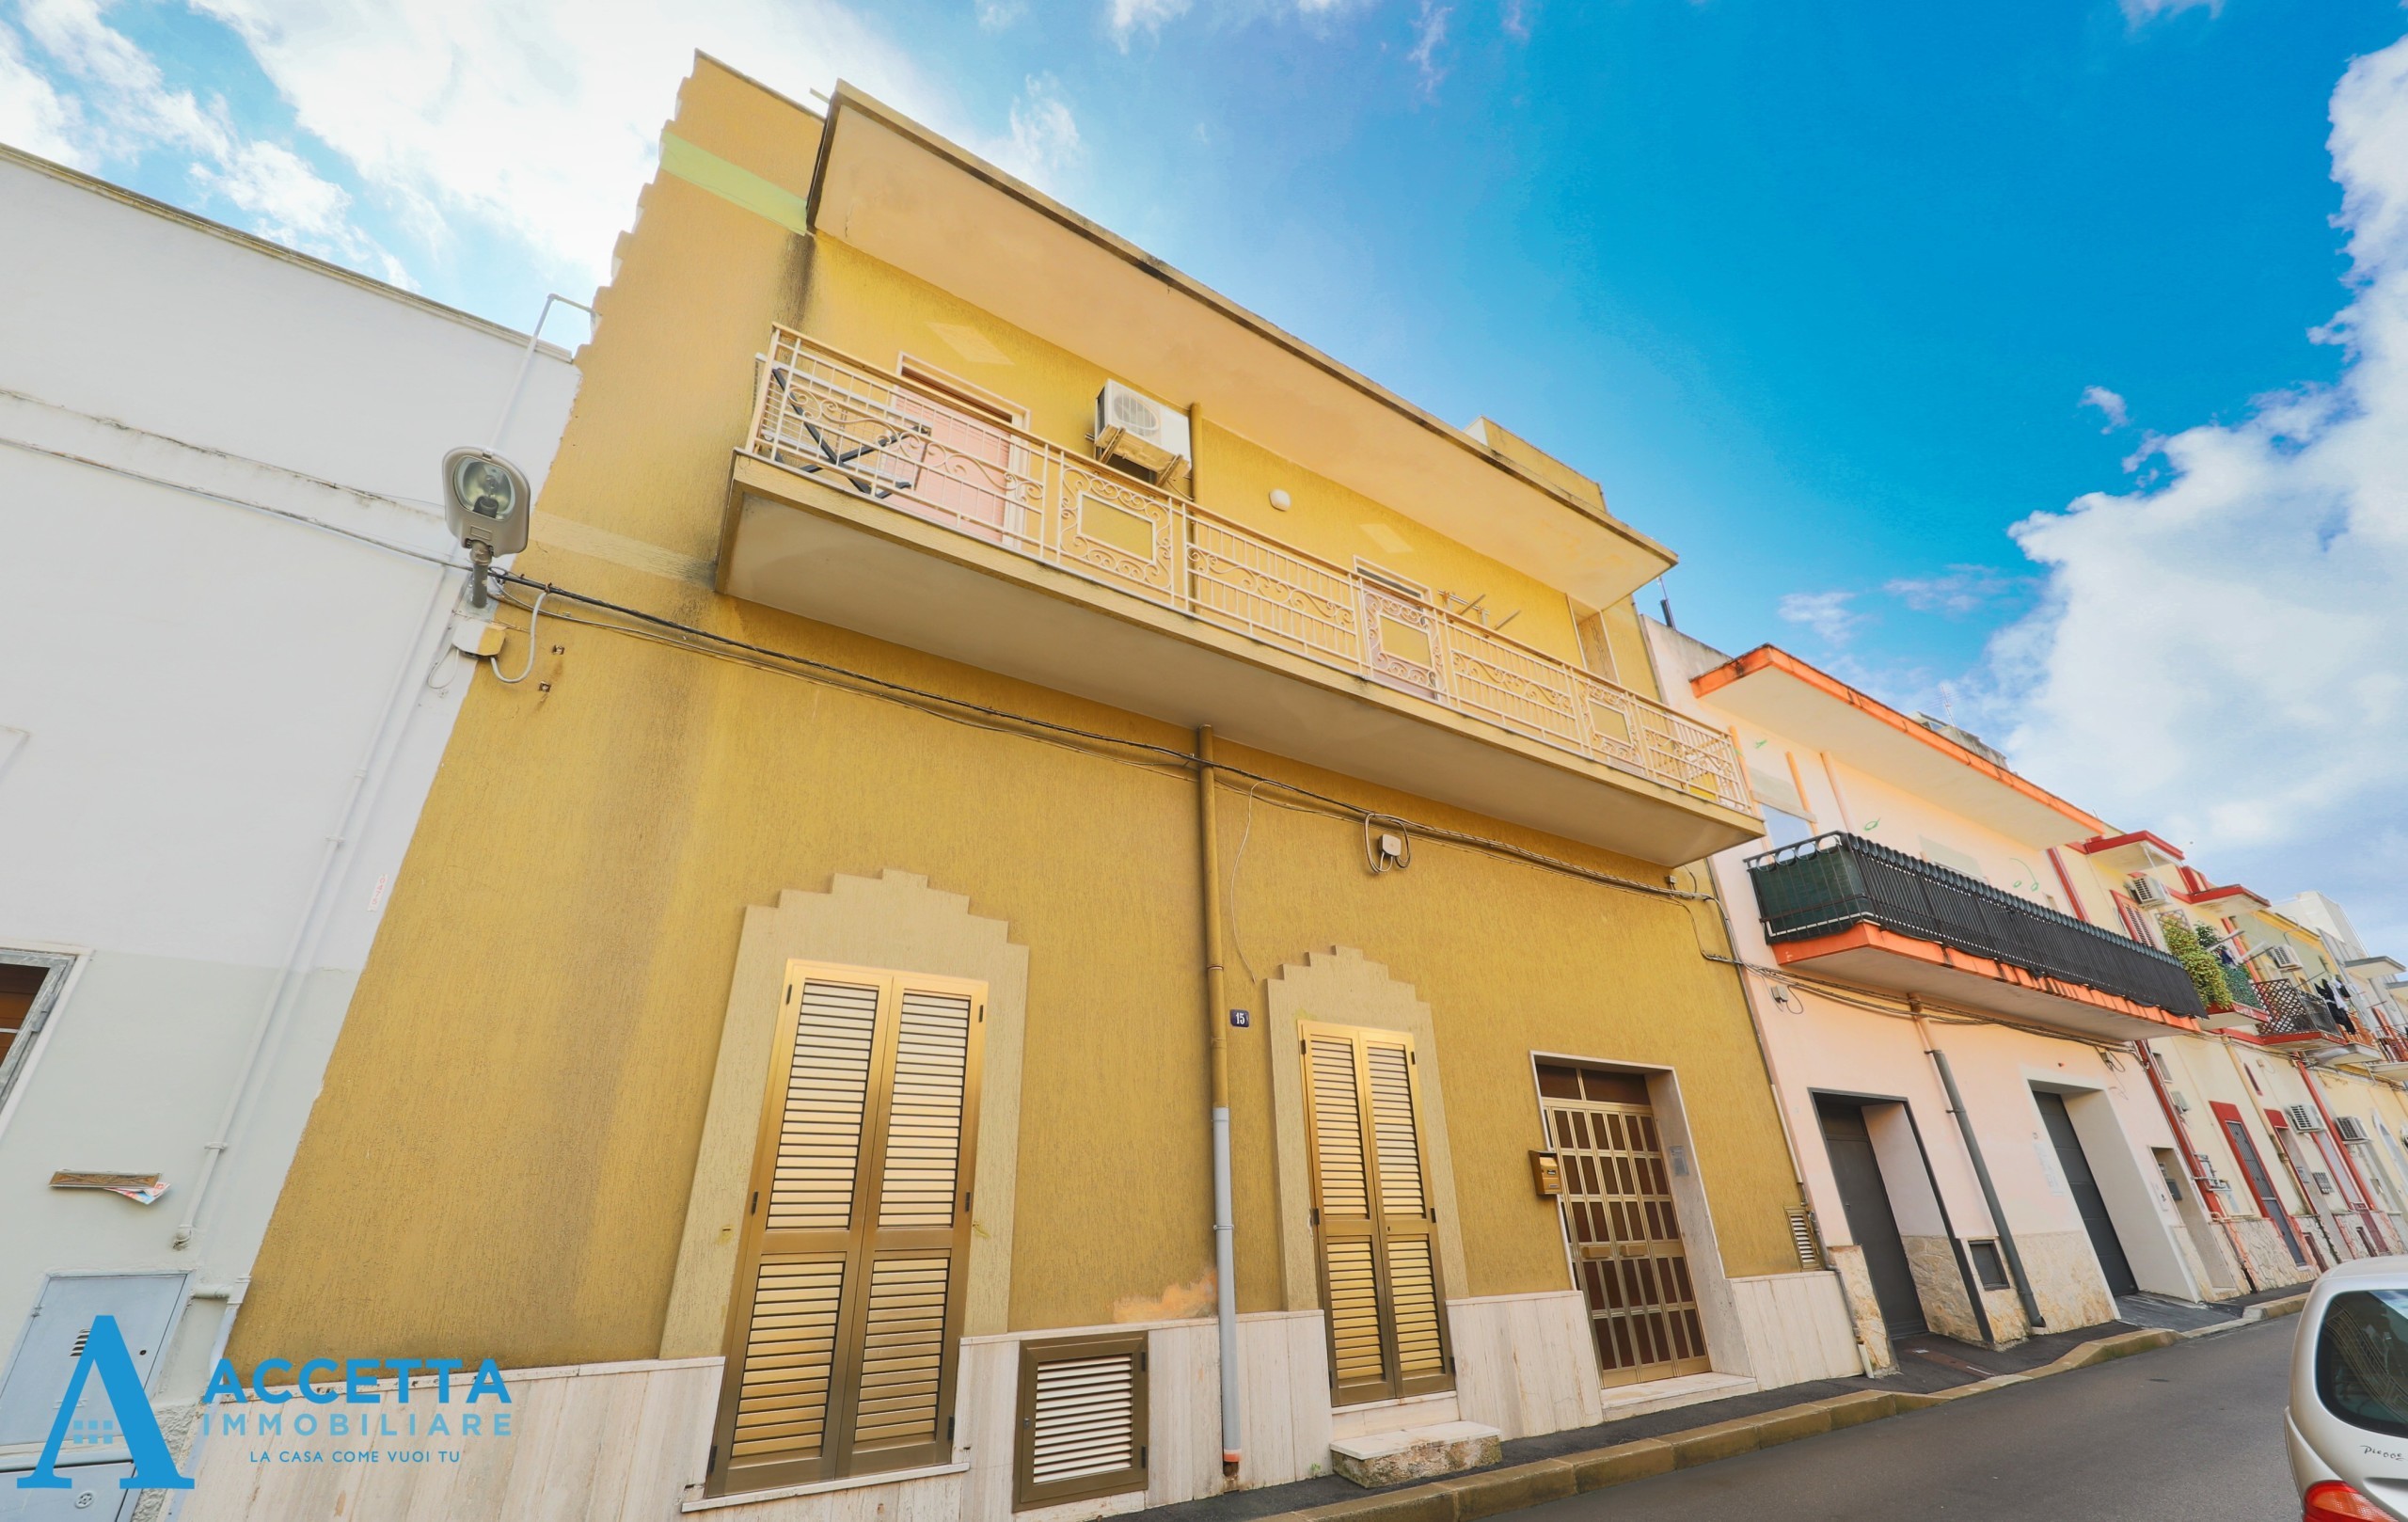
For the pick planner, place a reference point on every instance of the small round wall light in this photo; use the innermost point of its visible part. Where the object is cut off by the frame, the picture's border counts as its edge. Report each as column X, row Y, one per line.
column 1280, row 499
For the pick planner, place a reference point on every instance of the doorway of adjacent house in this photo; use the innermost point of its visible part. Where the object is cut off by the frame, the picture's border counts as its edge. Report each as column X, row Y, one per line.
column 2086, row 1197
column 1865, row 1198
column 1621, row 1223
column 2261, row 1183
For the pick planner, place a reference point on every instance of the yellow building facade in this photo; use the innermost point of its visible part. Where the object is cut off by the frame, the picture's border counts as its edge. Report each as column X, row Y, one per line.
column 993, row 709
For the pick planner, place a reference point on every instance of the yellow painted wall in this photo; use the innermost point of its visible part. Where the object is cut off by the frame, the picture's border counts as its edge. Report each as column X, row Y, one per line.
column 880, row 315
column 498, row 1164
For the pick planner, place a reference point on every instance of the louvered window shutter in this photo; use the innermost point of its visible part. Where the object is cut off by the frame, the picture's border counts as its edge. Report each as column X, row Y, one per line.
column 1381, row 1287
column 1082, row 1427
column 843, row 1336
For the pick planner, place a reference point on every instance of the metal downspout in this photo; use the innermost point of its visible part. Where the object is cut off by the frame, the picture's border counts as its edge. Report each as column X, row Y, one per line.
column 1981, row 1171
column 1757, row 1020
column 1956, row 1242
column 2197, row 1165
column 2365, row 1210
column 2312, row 1243
column 358, row 807
column 1225, row 1231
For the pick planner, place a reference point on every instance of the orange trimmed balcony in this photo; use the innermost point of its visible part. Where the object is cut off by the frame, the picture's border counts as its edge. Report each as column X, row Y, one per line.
column 864, row 501
column 1855, row 912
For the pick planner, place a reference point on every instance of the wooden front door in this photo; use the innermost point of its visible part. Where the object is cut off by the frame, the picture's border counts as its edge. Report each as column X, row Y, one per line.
column 1620, row 1221
column 846, row 1317
column 1374, row 1219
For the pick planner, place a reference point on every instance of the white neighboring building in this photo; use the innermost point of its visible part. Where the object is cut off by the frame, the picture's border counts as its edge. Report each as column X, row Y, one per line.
column 222, row 700
column 1946, row 1019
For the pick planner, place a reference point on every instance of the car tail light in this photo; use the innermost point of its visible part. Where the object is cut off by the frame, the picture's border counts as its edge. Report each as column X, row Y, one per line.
column 2330, row 1500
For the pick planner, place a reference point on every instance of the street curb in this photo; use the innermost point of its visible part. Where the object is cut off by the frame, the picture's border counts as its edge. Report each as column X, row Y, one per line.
column 1472, row 1496
column 2263, row 1310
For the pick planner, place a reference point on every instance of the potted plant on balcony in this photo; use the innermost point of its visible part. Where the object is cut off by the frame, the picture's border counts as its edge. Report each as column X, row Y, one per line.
column 2207, row 973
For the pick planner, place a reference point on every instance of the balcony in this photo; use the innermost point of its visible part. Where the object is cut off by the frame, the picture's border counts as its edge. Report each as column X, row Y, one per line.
column 863, row 500
column 1845, row 908
column 2296, row 1019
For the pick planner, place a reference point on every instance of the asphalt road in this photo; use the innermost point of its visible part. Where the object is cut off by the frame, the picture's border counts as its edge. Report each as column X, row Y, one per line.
column 2192, row 1434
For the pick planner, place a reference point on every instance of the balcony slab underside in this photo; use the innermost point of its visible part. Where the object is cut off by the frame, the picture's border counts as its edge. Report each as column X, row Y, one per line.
column 1885, row 961
column 839, row 558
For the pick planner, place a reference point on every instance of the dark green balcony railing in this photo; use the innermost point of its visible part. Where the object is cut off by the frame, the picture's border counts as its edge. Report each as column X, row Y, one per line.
column 1821, row 886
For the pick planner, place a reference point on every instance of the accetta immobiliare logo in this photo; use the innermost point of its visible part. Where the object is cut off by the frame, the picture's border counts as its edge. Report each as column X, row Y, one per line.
column 333, row 1411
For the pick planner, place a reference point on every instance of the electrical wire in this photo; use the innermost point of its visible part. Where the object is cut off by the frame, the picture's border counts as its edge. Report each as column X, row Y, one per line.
column 1377, row 859
column 534, row 616
column 1237, row 868
column 1939, row 1014
column 246, row 504
column 1164, row 758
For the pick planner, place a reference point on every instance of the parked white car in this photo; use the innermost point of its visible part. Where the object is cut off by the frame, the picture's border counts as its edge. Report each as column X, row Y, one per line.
column 2349, row 1409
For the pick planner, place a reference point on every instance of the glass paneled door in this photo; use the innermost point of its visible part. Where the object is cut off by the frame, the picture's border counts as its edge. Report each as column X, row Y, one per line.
column 1622, row 1227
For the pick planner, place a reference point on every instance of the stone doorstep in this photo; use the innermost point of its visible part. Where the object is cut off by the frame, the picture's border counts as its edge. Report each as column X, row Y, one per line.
column 1388, row 1458
column 1470, row 1498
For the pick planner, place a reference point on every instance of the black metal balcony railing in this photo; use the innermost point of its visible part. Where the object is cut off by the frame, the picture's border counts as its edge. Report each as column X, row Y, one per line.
column 1821, row 886
column 2293, row 1010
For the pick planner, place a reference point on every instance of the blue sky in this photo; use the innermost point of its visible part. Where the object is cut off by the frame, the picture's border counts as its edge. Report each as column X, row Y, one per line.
column 1816, row 292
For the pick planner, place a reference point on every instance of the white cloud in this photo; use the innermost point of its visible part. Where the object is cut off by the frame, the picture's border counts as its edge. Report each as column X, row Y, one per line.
column 1045, row 135
column 133, row 111
column 33, row 116
column 1128, row 17
column 291, row 202
column 2222, row 655
column 1964, row 589
column 2141, row 12
column 2110, row 405
column 131, row 108
column 1827, row 613
column 540, row 119
column 1428, row 36
column 996, row 15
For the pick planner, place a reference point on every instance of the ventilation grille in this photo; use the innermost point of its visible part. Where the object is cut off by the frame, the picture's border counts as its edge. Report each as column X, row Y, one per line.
column 1802, row 1232
column 1082, row 1420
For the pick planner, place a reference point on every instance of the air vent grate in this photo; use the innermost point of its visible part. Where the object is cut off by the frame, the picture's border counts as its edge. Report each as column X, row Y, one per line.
column 1082, row 1420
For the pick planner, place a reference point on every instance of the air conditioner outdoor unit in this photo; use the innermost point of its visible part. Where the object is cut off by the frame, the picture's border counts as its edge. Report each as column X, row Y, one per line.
column 2283, row 957
column 2303, row 1118
column 2182, row 1105
column 2146, row 891
column 2350, row 1128
column 1134, row 428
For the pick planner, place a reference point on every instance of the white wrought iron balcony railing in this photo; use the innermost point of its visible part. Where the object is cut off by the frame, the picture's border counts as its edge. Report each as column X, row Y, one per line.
column 831, row 417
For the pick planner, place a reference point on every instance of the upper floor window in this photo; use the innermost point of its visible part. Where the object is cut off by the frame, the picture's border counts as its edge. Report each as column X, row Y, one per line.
column 29, row 985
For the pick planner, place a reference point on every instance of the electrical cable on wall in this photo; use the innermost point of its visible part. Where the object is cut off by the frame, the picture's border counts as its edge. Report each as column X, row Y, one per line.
column 534, row 615
column 1167, row 760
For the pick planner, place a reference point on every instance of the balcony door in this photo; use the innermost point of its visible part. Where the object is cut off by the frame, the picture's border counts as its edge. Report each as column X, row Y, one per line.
column 973, row 476
column 1374, row 1221
column 846, row 1317
column 1620, row 1226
